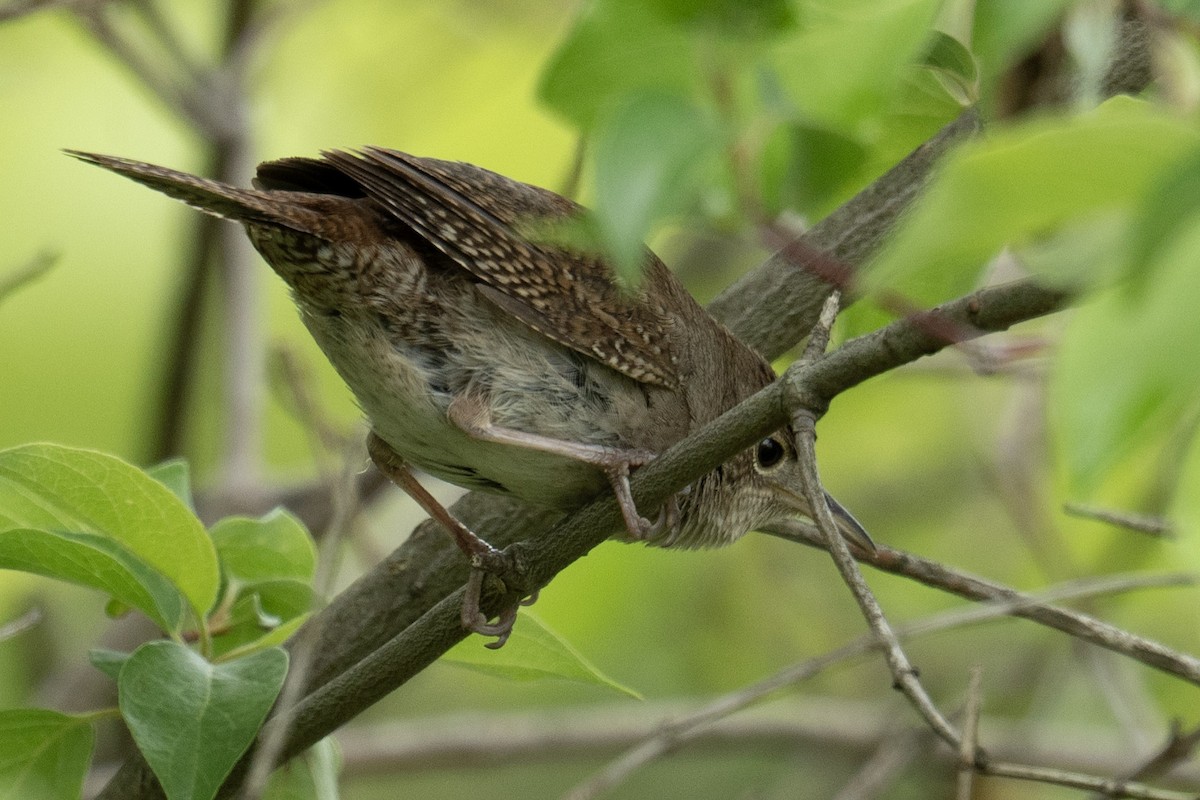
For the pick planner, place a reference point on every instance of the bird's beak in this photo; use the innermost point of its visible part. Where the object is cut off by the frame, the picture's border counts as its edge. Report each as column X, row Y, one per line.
column 850, row 528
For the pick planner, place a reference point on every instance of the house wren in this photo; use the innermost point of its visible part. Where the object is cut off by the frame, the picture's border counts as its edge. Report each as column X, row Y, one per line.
column 497, row 360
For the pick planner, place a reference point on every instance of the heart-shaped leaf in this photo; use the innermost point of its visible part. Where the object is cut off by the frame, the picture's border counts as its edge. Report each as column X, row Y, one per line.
column 192, row 720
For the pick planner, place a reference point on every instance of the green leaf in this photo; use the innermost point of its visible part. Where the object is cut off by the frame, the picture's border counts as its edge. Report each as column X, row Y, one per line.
column 648, row 155
column 44, row 755
column 1020, row 184
column 259, row 613
column 270, row 563
column 805, row 167
column 1170, row 209
column 176, row 476
column 843, row 68
column 272, row 638
column 276, row 546
column 92, row 560
column 728, row 18
column 533, row 652
column 192, row 720
column 313, row 776
column 53, row 488
column 616, row 47
column 953, row 63
column 1007, row 30
column 1083, row 253
column 1127, row 366
column 108, row 661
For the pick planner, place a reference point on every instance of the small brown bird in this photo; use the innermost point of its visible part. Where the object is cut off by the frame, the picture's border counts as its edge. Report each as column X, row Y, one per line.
column 495, row 359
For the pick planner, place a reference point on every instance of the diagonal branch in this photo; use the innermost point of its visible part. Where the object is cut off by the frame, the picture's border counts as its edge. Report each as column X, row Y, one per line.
column 402, row 615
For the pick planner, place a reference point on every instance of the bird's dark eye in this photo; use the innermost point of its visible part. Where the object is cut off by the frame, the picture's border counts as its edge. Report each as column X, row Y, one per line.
column 770, row 452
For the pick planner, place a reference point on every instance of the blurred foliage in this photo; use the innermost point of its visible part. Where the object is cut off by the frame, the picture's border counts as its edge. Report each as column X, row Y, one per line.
column 700, row 121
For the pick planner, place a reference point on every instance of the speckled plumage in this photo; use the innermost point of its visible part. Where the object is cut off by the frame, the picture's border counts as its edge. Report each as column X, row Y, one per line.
column 415, row 279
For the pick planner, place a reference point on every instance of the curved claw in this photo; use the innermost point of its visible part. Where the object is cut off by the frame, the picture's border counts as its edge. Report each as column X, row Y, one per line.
column 474, row 620
column 666, row 523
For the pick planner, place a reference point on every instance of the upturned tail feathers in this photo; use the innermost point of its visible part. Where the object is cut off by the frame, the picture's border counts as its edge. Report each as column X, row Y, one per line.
column 212, row 197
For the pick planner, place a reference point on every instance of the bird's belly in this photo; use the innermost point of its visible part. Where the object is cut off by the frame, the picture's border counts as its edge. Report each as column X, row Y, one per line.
column 395, row 391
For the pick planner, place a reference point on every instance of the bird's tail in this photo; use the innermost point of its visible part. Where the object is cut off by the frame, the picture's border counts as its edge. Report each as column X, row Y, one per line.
column 209, row 196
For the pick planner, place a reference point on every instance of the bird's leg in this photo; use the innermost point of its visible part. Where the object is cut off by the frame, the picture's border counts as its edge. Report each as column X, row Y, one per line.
column 483, row 557
column 471, row 415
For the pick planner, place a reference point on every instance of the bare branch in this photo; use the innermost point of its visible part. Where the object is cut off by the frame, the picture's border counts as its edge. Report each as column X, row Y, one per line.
column 1076, row 780
column 896, row 752
column 904, row 674
column 968, row 748
column 1073, row 623
column 1142, row 523
column 15, row 280
column 21, row 624
column 671, row 735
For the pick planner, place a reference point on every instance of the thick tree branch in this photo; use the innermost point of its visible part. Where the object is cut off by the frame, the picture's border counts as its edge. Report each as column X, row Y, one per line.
column 790, row 285
column 417, row 645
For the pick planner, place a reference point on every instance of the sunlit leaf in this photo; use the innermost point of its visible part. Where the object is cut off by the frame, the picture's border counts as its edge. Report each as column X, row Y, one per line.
column 1128, row 364
column 616, row 47
column 805, row 166
column 44, row 755
column 955, row 65
column 93, row 560
column 272, row 638
column 649, row 156
column 60, row 489
column 1169, row 210
column 533, row 652
column 729, row 17
column 176, row 476
column 263, row 615
column 275, row 546
column 1021, row 183
column 843, row 66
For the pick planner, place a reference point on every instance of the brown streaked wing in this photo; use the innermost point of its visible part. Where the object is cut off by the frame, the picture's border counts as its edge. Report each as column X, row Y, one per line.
column 470, row 215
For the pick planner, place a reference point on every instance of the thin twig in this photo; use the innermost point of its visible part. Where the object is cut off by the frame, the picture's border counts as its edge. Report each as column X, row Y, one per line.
column 15, row 280
column 903, row 672
column 1142, row 523
column 1073, row 623
column 22, row 8
column 298, row 398
column 179, row 99
column 791, row 724
column 896, row 751
column 1179, row 748
column 1110, row 787
column 804, row 423
column 344, row 498
column 968, row 750
column 166, row 36
column 21, row 624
